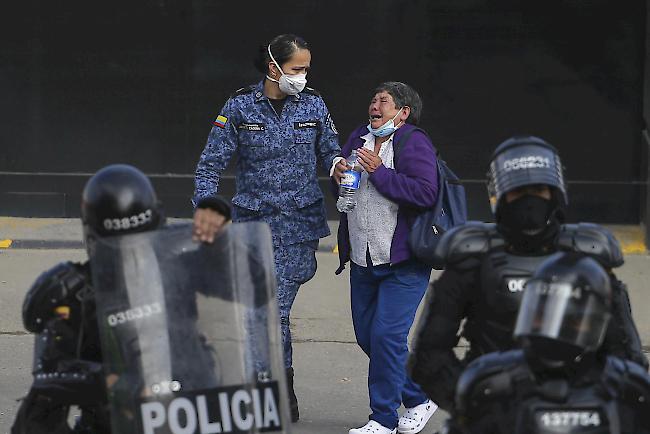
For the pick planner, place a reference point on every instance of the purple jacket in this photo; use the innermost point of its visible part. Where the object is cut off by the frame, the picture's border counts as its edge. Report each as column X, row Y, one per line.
column 413, row 185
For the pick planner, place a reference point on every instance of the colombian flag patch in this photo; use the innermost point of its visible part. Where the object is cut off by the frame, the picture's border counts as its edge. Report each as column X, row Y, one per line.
column 220, row 121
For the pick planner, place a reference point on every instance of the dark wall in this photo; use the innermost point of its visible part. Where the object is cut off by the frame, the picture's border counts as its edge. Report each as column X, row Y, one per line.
column 645, row 190
column 87, row 84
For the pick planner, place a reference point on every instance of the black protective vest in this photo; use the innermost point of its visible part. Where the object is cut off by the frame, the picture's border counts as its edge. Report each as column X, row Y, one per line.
column 502, row 279
column 502, row 275
column 500, row 393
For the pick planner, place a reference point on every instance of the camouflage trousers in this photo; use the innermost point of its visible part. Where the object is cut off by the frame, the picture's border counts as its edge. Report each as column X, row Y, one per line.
column 295, row 264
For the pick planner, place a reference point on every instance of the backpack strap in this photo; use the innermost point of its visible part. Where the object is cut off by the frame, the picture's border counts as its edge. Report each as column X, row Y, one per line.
column 397, row 150
column 397, row 147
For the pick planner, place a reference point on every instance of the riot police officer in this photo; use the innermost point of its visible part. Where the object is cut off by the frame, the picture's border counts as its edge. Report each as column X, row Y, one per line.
column 279, row 129
column 487, row 266
column 60, row 308
column 557, row 383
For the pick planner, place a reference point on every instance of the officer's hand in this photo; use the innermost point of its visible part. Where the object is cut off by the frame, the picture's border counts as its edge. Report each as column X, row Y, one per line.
column 339, row 169
column 368, row 159
column 207, row 223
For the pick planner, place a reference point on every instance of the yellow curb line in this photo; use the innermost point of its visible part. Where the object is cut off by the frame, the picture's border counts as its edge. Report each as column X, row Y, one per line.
column 5, row 244
column 637, row 247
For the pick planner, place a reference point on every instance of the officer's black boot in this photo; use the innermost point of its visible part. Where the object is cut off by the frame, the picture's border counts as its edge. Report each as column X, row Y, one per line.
column 293, row 401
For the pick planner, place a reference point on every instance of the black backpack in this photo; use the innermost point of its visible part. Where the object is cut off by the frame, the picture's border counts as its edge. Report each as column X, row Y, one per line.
column 450, row 210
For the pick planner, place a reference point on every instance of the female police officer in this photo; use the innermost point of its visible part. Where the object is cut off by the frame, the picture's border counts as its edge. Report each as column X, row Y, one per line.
column 278, row 128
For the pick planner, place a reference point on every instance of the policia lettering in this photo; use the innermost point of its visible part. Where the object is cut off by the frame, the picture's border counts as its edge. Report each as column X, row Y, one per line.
column 222, row 410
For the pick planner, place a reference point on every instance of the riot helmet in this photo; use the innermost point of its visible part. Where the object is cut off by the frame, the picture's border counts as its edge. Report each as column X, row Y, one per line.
column 565, row 308
column 525, row 164
column 119, row 199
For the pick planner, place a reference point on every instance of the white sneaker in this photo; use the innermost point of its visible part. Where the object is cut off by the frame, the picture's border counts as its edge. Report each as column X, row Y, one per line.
column 372, row 427
column 414, row 419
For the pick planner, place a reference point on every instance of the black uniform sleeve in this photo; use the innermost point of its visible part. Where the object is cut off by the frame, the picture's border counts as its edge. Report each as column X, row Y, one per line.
column 632, row 383
column 215, row 203
column 433, row 363
column 622, row 338
column 40, row 414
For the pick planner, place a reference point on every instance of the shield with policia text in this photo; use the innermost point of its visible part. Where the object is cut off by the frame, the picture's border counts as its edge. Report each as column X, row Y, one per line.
column 190, row 332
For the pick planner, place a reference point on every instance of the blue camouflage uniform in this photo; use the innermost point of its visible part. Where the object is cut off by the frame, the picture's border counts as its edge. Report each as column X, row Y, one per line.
column 275, row 178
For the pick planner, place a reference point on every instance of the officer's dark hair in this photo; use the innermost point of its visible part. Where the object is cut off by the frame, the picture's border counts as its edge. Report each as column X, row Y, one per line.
column 403, row 95
column 282, row 48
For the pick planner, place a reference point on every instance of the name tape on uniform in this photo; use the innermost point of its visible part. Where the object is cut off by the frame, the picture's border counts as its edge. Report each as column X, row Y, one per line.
column 305, row 124
column 250, row 126
column 235, row 409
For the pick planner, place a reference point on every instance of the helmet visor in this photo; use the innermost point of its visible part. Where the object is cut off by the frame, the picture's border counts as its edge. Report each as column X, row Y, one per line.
column 562, row 312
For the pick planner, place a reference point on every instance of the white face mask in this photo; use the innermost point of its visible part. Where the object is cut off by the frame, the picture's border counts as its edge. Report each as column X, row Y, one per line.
column 289, row 84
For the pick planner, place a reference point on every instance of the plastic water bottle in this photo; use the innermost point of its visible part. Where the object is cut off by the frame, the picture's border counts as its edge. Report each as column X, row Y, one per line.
column 349, row 185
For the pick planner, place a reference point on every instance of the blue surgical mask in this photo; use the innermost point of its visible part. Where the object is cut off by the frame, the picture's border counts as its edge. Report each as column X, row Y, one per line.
column 387, row 129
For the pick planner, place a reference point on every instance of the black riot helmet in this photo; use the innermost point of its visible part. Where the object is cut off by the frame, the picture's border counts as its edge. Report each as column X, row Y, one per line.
column 522, row 161
column 530, row 218
column 119, row 199
column 565, row 308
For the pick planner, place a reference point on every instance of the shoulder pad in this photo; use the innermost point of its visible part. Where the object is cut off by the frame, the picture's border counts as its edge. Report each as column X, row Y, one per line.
column 311, row 91
column 465, row 241
column 629, row 376
column 243, row 91
column 592, row 240
column 488, row 375
column 52, row 288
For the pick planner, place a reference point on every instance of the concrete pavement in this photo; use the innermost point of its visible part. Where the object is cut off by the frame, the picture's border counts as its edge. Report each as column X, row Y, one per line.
column 330, row 369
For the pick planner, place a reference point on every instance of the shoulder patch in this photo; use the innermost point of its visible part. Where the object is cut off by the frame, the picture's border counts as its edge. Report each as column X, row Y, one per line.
column 330, row 124
column 467, row 241
column 220, row 121
column 592, row 240
column 311, row 91
column 243, row 91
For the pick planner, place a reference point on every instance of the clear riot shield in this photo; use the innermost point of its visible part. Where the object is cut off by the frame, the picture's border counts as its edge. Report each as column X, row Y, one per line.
column 190, row 332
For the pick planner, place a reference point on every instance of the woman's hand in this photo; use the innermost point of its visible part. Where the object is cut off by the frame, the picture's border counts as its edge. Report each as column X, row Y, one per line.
column 207, row 223
column 339, row 169
column 368, row 159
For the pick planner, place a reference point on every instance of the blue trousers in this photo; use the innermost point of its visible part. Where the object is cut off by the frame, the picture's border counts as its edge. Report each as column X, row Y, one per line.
column 295, row 264
column 384, row 301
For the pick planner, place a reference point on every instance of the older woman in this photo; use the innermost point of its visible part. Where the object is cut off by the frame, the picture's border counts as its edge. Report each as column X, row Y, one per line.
column 386, row 283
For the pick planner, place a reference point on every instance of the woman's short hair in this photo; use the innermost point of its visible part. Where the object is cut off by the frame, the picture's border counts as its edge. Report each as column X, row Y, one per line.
column 403, row 95
column 282, row 47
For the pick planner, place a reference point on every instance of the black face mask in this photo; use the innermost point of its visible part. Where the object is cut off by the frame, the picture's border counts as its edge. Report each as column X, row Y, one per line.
column 528, row 222
column 527, row 214
column 552, row 353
